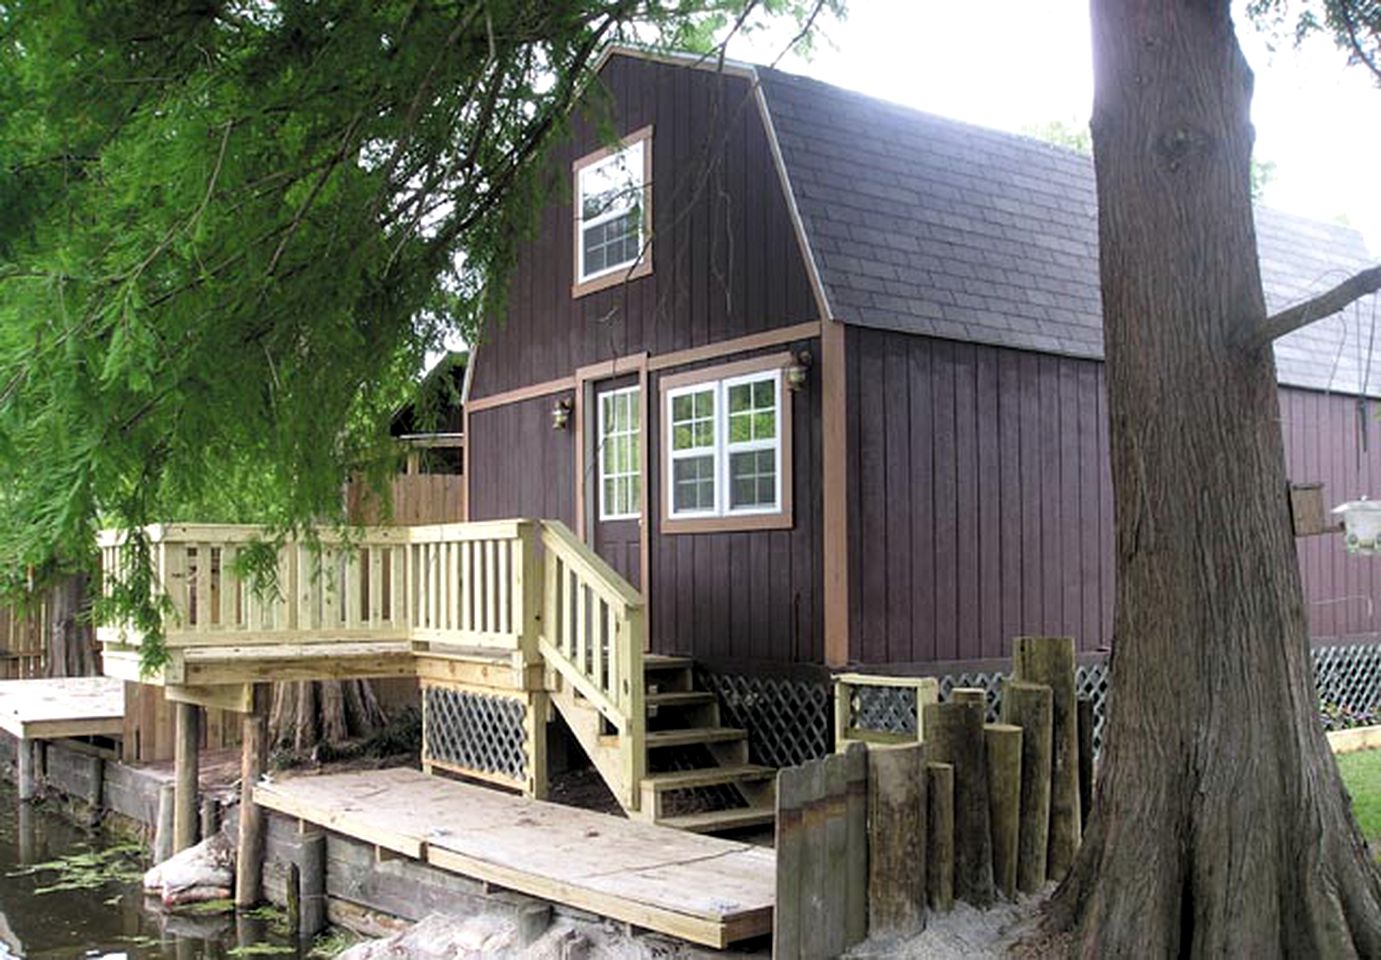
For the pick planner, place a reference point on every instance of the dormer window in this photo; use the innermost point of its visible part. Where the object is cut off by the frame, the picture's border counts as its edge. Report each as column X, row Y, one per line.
column 613, row 222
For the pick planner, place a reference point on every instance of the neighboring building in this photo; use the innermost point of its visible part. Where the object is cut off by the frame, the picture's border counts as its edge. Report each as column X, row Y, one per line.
column 825, row 376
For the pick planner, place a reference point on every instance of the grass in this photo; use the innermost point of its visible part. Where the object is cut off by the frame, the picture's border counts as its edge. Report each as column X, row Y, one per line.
column 1362, row 775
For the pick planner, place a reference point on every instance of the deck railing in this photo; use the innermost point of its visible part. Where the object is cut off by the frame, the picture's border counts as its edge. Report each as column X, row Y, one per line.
column 592, row 635
column 459, row 584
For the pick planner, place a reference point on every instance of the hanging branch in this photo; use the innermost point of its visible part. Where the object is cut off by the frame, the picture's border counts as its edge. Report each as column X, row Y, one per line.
column 1353, row 288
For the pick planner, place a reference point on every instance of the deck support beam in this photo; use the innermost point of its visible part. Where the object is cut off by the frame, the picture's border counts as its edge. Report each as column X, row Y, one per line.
column 249, row 864
column 28, row 769
column 186, row 769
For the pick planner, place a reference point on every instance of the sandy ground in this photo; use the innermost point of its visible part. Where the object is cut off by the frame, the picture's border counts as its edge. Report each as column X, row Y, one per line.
column 486, row 936
column 963, row 934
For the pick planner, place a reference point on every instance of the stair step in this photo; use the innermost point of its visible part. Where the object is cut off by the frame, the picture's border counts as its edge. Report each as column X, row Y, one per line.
column 707, row 777
column 682, row 738
column 662, row 661
column 678, row 698
column 713, row 821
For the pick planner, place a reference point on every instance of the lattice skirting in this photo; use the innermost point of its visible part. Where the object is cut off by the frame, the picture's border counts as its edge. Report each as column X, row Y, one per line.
column 476, row 733
column 789, row 721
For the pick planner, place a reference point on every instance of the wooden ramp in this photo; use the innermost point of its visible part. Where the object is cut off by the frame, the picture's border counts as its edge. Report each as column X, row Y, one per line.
column 703, row 889
column 62, row 707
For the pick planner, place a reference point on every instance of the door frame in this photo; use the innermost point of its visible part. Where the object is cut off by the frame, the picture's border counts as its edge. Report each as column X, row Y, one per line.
column 586, row 379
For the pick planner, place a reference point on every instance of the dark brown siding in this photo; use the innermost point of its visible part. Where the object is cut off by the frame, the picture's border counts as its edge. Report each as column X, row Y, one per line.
column 752, row 595
column 1335, row 439
column 520, row 466
column 725, row 258
column 981, row 501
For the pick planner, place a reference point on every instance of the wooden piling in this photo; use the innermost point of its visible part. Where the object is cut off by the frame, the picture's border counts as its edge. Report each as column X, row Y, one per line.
column 792, row 789
column 1050, row 660
column 1003, row 744
column 186, row 769
column 163, row 829
column 312, row 873
column 856, row 874
column 955, row 730
column 292, row 899
column 210, row 816
column 939, row 864
column 249, row 864
column 836, row 851
column 897, row 840
column 1084, row 712
column 28, row 769
column 1028, row 706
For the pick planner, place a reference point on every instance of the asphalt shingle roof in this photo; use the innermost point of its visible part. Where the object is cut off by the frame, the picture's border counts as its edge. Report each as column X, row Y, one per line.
column 931, row 226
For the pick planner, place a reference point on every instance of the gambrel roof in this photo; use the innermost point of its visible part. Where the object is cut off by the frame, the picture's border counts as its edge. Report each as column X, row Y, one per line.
column 926, row 225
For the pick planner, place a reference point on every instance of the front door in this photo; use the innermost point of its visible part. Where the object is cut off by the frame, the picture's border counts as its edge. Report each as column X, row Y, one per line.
column 618, row 482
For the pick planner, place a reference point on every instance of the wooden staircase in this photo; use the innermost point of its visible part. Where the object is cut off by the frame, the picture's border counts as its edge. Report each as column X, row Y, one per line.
column 697, row 777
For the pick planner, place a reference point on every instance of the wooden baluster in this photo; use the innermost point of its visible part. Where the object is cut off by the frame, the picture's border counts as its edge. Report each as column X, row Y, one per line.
column 491, row 586
column 330, row 590
column 374, row 556
column 582, row 627
column 552, row 619
column 602, row 649
column 467, row 587
column 504, row 573
column 203, row 581
column 230, row 587
column 350, row 594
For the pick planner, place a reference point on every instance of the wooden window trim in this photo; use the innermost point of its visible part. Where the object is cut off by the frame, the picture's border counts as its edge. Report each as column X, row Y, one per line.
column 642, row 267
column 781, row 519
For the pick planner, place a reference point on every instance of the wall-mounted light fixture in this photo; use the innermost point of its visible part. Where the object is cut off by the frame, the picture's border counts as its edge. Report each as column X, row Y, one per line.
column 561, row 414
column 798, row 370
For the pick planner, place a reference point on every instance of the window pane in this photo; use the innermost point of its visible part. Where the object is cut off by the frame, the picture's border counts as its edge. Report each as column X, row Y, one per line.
column 704, row 404
column 765, row 425
column 612, row 243
column 612, row 184
column 740, row 397
column 693, row 484
column 740, row 427
column 753, row 479
column 763, row 393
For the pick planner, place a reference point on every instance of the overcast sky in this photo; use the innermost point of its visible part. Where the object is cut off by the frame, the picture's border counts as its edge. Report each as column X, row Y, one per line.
column 1014, row 63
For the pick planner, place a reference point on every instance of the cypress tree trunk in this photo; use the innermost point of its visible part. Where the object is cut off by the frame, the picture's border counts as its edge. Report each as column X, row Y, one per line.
column 1220, row 826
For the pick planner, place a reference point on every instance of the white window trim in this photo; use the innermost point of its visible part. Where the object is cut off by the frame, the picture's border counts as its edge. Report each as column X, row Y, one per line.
column 722, row 448
column 582, row 224
column 599, row 453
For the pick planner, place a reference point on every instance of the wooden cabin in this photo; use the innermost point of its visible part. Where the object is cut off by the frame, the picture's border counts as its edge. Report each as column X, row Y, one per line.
column 790, row 381
column 833, row 375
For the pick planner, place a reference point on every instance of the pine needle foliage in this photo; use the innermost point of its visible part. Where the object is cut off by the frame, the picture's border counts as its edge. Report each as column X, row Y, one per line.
column 231, row 231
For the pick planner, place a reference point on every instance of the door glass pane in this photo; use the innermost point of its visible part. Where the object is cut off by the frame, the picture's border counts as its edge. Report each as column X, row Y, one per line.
column 620, row 487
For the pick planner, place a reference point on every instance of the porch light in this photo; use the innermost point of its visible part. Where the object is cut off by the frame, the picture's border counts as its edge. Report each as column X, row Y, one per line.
column 797, row 371
column 561, row 414
column 1361, row 525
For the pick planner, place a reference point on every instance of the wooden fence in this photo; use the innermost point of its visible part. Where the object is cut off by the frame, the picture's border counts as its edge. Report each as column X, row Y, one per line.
column 870, row 839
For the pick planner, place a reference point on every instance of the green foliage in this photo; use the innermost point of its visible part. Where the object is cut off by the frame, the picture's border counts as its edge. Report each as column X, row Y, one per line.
column 233, row 231
column 1354, row 25
column 89, row 869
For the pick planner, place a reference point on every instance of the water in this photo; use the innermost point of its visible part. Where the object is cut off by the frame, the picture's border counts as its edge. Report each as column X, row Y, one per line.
column 110, row 922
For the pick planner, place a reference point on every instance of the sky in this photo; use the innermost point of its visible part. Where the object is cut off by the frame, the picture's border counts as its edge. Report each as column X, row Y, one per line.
column 1012, row 64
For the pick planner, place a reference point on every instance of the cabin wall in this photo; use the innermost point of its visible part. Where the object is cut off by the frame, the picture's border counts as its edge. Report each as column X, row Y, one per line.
column 519, row 465
column 980, row 501
column 748, row 595
column 725, row 257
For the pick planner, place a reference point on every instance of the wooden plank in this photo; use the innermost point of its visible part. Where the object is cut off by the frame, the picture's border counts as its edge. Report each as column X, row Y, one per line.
column 62, row 707
column 856, row 867
column 897, row 841
column 792, row 795
column 836, row 852
column 814, row 876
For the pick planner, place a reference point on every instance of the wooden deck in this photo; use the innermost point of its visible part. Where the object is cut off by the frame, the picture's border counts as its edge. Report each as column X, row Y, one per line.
column 703, row 889
column 45, row 709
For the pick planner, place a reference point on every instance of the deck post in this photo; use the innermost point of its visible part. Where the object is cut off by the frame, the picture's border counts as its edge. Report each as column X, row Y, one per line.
column 186, row 768
column 249, row 864
column 312, row 884
column 163, row 829
column 28, row 773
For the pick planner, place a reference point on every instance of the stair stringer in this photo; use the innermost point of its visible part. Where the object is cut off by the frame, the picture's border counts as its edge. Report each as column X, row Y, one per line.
column 605, row 752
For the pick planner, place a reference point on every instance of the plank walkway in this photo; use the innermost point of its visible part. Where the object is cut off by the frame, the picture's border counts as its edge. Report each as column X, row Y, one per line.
column 703, row 889
column 47, row 709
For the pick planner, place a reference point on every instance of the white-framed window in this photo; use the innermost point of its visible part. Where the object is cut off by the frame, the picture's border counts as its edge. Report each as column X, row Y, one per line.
column 724, row 447
column 620, row 455
column 612, row 196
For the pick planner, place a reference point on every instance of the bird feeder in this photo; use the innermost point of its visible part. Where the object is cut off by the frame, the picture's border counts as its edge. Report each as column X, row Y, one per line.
column 1361, row 525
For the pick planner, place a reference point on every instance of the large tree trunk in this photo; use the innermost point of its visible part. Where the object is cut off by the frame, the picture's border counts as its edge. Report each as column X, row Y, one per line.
column 71, row 642
column 308, row 713
column 1221, row 827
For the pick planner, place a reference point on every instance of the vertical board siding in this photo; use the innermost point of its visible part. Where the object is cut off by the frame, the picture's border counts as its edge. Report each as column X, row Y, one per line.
column 753, row 595
column 725, row 258
column 981, row 501
column 521, row 467
column 1335, row 439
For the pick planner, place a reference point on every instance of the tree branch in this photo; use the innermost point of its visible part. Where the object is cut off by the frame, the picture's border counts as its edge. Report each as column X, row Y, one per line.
column 1353, row 288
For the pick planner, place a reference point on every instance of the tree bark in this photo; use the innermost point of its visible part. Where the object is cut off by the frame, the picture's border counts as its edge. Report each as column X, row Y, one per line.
column 1220, row 825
